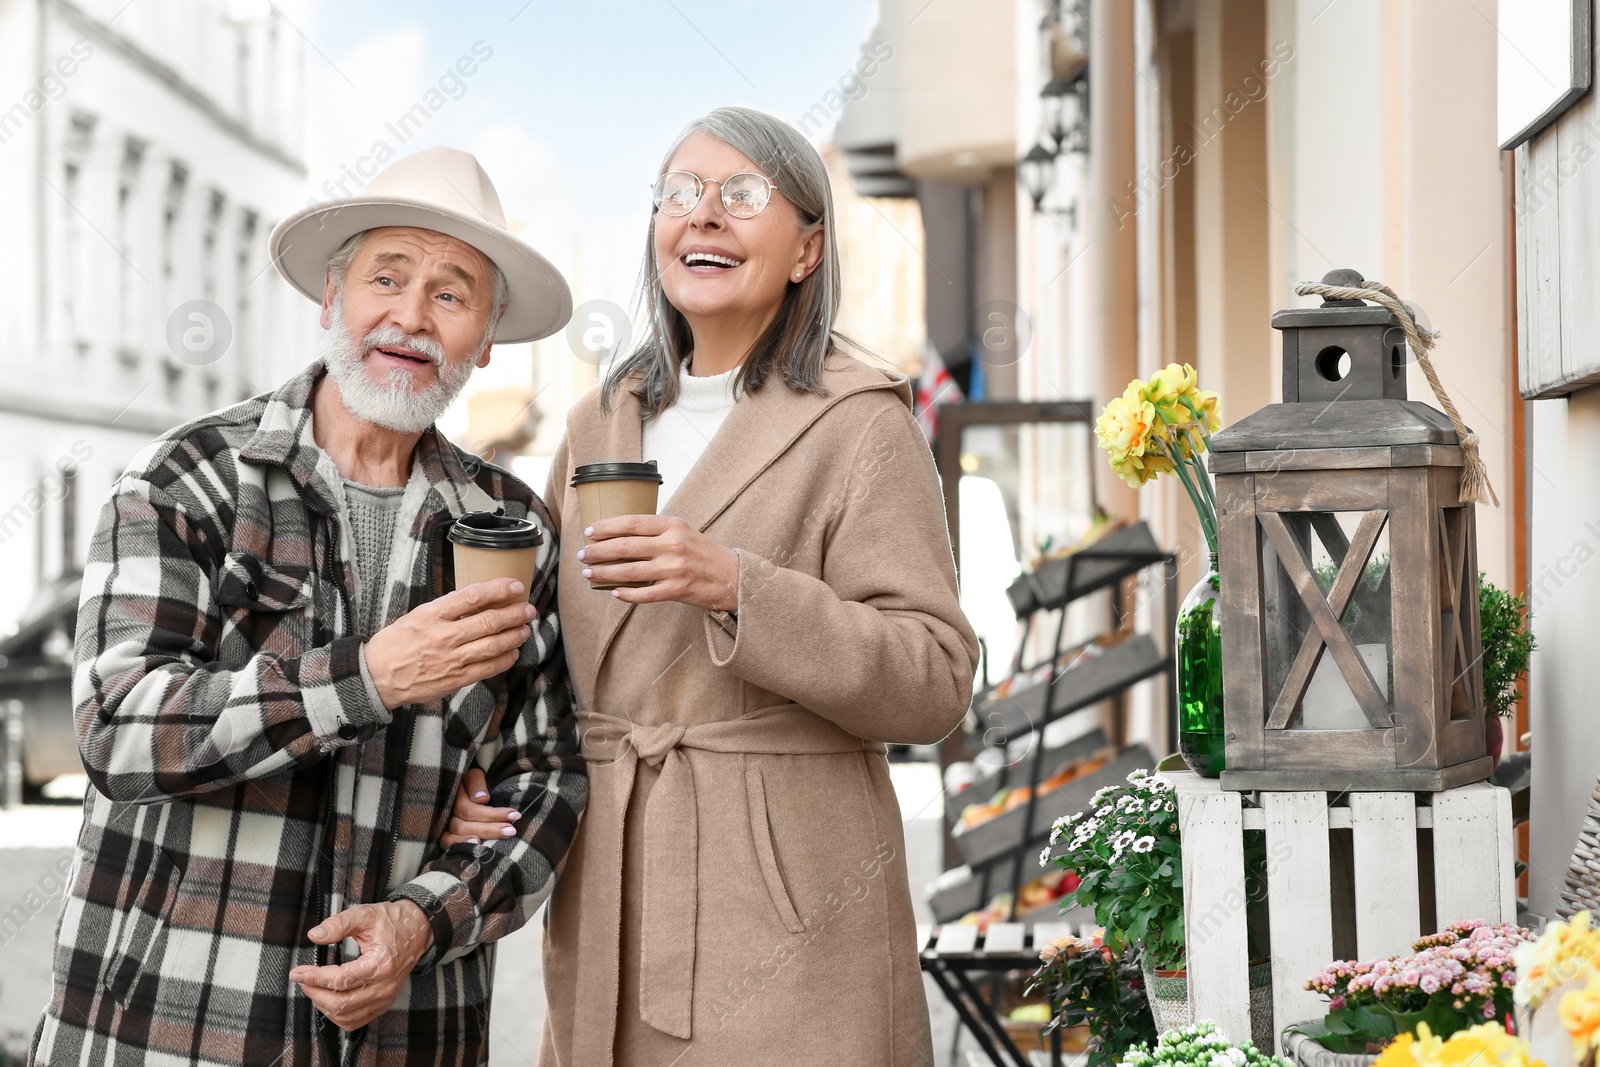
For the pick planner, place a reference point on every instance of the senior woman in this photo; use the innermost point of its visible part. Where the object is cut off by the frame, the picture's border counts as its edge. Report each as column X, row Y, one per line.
column 737, row 892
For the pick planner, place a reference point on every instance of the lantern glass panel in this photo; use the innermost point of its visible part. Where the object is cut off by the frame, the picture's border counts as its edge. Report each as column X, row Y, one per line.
column 1332, row 565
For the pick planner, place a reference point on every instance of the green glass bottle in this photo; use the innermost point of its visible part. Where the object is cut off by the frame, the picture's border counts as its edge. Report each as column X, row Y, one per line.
column 1201, row 738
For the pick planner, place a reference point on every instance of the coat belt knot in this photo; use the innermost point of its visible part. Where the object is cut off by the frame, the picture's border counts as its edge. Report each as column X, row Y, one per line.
column 652, row 743
column 672, row 830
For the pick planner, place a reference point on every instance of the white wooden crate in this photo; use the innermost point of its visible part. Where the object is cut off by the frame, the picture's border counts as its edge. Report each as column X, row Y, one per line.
column 1472, row 877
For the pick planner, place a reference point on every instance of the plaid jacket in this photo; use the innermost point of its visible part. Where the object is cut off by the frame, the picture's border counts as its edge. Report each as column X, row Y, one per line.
column 245, row 781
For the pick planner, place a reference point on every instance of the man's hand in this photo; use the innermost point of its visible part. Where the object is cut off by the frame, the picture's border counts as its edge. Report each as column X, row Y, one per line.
column 449, row 643
column 392, row 937
column 678, row 561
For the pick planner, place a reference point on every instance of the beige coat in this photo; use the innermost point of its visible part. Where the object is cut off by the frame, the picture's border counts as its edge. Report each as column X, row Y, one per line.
column 737, row 893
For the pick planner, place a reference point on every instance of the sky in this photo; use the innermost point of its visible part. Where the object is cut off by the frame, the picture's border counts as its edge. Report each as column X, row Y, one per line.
column 576, row 103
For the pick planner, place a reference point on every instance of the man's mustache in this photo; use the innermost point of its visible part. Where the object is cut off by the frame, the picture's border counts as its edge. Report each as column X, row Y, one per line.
column 395, row 337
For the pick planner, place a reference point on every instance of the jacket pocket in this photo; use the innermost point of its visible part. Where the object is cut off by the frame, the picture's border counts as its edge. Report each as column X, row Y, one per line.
column 766, row 855
column 144, row 926
column 247, row 581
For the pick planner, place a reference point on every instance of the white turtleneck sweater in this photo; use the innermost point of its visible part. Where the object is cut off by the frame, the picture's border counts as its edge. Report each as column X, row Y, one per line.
column 676, row 437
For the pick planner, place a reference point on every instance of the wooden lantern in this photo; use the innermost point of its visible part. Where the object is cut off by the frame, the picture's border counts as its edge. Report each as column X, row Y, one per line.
column 1349, row 572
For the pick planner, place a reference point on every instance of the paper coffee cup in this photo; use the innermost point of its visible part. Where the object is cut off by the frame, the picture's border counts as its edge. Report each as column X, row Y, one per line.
column 488, row 545
column 606, row 490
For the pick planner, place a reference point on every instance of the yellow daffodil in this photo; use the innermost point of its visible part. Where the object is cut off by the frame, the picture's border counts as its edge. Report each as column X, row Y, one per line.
column 1561, row 954
column 1580, row 1016
column 1130, row 430
column 1161, row 427
column 1484, row 1045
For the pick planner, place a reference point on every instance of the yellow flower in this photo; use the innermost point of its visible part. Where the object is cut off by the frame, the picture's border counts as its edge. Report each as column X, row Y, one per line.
column 1154, row 423
column 1580, row 1015
column 1168, row 389
column 1128, row 429
column 1560, row 955
column 1484, row 1045
column 1397, row 1053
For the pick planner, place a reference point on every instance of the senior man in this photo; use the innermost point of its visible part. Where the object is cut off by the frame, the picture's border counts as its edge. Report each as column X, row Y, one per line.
column 277, row 687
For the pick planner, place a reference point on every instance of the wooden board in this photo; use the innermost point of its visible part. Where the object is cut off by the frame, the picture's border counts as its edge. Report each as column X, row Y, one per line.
column 1215, row 937
column 1298, row 881
column 956, row 939
column 1004, row 938
column 1473, row 840
column 1383, row 831
column 1244, row 713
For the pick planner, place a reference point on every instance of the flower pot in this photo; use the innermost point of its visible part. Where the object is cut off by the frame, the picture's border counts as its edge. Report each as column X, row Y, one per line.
column 1303, row 1051
column 1168, row 992
column 1494, row 738
column 1199, row 654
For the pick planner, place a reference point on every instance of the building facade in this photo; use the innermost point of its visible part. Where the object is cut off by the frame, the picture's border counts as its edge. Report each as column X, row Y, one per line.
column 1173, row 169
column 146, row 151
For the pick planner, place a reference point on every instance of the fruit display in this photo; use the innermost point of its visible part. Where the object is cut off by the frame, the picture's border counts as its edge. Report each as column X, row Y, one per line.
column 1008, row 799
column 1042, row 891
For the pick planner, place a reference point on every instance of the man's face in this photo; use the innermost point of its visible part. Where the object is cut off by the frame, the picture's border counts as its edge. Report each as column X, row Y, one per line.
column 408, row 325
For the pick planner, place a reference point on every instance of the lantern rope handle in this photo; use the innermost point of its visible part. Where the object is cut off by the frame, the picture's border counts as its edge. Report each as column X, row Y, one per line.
column 1475, row 485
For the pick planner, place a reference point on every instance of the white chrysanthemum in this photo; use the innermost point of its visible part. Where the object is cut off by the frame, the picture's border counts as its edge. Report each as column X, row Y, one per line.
column 1136, row 774
column 1144, row 844
column 1122, row 841
column 1044, row 855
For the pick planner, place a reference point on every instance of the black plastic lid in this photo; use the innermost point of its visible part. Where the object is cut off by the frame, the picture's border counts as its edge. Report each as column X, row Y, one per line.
column 487, row 529
column 616, row 472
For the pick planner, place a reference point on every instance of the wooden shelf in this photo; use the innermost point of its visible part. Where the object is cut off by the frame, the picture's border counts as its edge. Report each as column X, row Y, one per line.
column 1019, row 773
column 1092, row 680
column 1114, row 557
column 1001, row 837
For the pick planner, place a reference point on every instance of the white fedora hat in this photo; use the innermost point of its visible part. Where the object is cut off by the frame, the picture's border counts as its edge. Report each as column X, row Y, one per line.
column 442, row 189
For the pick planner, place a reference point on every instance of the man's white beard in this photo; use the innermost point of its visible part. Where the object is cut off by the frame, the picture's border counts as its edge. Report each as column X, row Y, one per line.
column 390, row 403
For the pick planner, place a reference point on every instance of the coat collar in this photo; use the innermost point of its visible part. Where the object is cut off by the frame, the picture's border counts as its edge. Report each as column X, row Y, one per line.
column 762, row 426
column 284, row 437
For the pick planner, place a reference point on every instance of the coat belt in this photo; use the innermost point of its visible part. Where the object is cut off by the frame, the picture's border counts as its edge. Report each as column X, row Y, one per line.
column 672, row 834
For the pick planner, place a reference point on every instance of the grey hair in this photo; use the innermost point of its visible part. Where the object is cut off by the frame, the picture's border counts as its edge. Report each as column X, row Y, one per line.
column 801, row 335
column 345, row 254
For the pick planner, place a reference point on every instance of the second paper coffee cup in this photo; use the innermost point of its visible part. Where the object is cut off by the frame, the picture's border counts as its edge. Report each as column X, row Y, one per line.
column 487, row 546
column 606, row 490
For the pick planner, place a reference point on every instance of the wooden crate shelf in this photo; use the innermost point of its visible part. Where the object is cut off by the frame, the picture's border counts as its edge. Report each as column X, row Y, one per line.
column 1019, row 772
column 1090, row 681
column 1002, row 836
column 1118, row 555
column 1448, row 855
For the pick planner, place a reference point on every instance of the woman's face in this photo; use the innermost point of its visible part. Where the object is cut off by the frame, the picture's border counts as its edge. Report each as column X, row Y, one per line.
column 769, row 252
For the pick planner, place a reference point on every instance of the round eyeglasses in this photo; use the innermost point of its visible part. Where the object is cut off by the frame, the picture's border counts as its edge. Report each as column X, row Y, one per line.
column 744, row 195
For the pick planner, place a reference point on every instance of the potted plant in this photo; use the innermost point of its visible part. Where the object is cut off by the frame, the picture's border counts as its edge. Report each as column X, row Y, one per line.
column 1507, row 644
column 1096, row 990
column 1126, row 852
column 1450, row 981
column 1199, row 1045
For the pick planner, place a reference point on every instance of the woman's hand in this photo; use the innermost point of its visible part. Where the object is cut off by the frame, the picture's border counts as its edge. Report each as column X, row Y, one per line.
column 680, row 562
column 470, row 821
